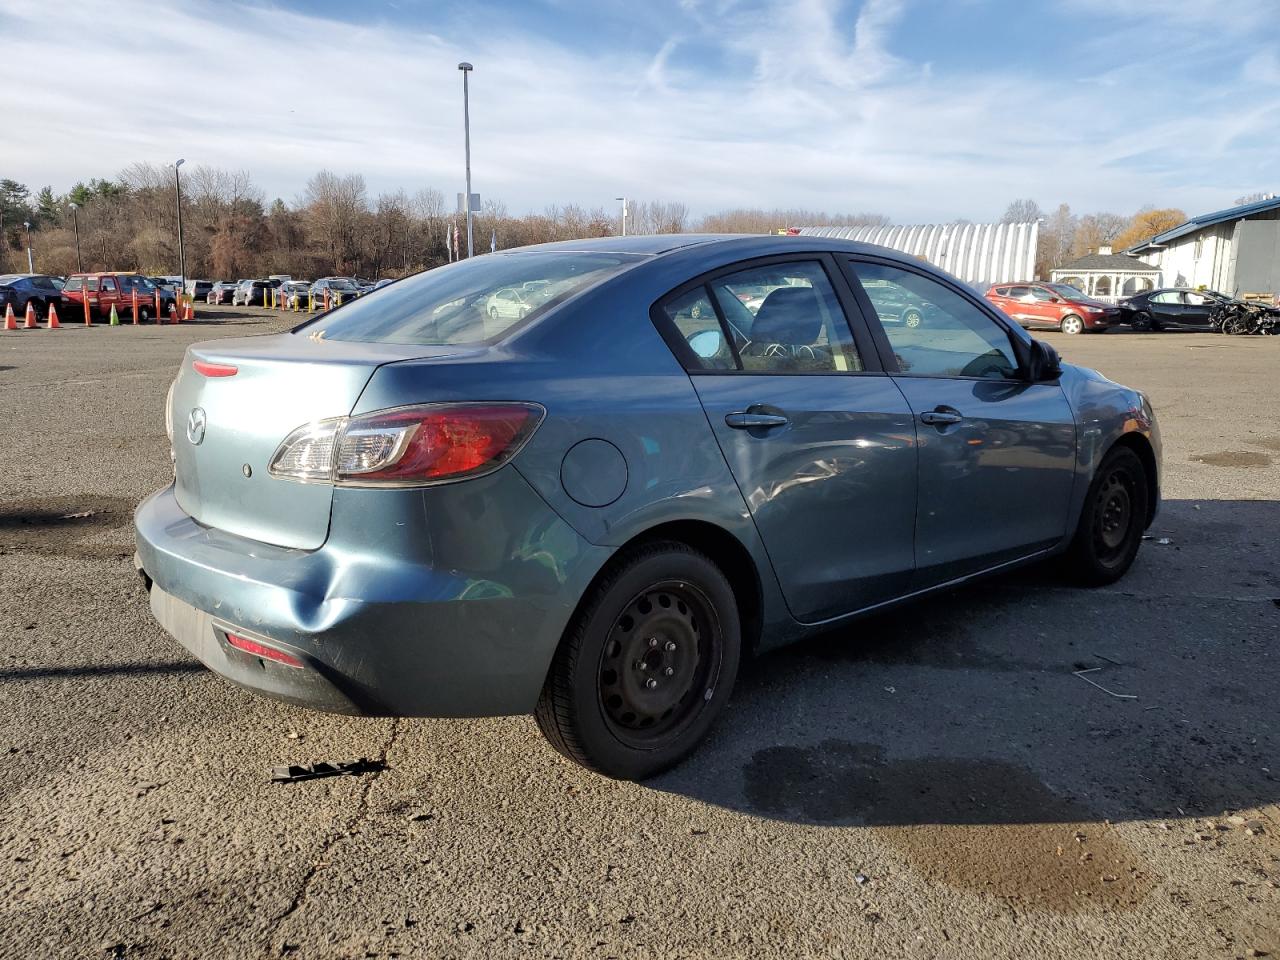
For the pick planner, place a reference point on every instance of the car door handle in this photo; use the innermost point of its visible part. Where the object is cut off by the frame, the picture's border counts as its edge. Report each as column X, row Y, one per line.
column 750, row 421
column 941, row 417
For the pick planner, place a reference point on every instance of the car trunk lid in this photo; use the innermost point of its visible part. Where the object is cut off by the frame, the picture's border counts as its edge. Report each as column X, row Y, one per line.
column 233, row 403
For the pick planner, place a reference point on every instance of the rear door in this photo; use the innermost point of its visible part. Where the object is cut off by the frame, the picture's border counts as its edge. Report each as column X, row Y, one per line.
column 820, row 442
column 996, row 453
column 1020, row 303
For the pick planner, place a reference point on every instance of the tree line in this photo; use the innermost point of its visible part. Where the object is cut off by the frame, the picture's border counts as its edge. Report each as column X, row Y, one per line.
column 1065, row 236
column 337, row 227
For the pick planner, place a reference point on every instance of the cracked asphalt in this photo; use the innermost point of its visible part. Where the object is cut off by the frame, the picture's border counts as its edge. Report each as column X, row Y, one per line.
column 935, row 782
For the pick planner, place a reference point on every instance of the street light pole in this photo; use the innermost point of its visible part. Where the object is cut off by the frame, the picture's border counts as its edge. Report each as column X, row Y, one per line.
column 182, row 250
column 31, row 264
column 624, row 214
column 466, row 68
column 75, row 218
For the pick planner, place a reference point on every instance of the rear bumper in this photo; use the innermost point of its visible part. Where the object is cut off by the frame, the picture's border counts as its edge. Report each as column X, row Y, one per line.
column 407, row 610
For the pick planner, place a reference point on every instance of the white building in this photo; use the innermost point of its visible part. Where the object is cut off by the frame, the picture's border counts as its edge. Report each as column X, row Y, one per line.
column 980, row 254
column 1235, row 251
column 1108, row 276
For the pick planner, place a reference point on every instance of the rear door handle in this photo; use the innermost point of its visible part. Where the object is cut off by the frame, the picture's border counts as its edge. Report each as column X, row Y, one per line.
column 941, row 417
column 751, row 421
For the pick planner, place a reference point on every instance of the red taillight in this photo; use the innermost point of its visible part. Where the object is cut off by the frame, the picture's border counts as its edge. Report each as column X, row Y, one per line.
column 262, row 650
column 214, row 369
column 407, row 446
column 433, row 442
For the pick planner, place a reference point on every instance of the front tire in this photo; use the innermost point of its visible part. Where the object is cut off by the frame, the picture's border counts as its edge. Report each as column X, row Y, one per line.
column 645, row 666
column 1142, row 322
column 1071, row 324
column 1112, row 519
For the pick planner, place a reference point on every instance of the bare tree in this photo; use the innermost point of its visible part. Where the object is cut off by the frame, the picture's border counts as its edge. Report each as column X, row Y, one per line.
column 1022, row 211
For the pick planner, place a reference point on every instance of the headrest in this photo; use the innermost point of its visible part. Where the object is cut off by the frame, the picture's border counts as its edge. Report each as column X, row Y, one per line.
column 788, row 315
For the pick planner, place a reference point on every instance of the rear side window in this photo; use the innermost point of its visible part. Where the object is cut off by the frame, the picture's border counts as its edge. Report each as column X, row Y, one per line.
column 452, row 304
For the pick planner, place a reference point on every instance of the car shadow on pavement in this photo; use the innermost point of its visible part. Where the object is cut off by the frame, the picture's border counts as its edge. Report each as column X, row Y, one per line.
column 997, row 704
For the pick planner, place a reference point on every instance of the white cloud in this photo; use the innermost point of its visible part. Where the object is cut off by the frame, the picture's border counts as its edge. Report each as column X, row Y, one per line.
column 812, row 109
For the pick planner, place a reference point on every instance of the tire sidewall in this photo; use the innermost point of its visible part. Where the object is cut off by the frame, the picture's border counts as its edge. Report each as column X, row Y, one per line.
column 613, row 757
column 1071, row 320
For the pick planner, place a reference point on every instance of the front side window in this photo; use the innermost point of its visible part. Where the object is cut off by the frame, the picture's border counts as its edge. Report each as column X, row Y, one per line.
column 797, row 324
column 1041, row 294
column 954, row 337
column 108, row 285
column 74, row 284
column 449, row 305
column 1168, row 296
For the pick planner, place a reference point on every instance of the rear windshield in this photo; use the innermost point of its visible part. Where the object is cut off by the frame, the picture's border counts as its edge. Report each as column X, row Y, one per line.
column 459, row 303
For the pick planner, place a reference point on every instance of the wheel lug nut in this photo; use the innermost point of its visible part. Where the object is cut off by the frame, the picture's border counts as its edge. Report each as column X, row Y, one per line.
column 670, row 671
column 653, row 641
column 651, row 683
column 671, row 645
column 642, row 665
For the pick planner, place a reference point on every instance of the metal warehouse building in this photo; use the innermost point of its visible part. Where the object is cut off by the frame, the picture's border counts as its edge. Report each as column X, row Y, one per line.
column 980, row 254
column 1235, row 251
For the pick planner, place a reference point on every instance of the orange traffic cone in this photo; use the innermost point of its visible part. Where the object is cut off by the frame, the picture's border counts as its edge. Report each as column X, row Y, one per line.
column 53, row 318
column 189, row 313
column 173, row 313
column 10, row 321
column 31, row 316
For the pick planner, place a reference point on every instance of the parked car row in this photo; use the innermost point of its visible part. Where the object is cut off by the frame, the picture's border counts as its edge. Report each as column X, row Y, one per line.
column 1063, row 307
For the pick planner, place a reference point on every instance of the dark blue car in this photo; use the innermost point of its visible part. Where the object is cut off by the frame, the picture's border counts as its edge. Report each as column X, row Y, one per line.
column 690, row 449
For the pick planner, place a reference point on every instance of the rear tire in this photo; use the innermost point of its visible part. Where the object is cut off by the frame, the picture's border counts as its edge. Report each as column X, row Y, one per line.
column 1112, row 519
column 1071, row 324
column 646, row 664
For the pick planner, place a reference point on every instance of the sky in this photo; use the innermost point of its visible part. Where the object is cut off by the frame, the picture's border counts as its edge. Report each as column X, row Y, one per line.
column 923, row 110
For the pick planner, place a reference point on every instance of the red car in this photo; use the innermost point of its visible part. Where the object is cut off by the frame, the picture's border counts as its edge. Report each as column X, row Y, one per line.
column 1053, row 305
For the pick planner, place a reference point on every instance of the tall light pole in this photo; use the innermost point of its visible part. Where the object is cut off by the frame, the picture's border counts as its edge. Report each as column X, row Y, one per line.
column 624, row 214
column 31, row 263
column 75, row 218
column 182, row 250
column 466, row 68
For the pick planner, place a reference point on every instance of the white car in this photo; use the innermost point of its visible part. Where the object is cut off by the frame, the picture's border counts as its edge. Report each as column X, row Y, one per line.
column 511, row 302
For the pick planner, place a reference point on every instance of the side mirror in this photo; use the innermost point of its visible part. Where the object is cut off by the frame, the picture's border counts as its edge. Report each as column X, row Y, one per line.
column 1043, row 363
column 707, row 344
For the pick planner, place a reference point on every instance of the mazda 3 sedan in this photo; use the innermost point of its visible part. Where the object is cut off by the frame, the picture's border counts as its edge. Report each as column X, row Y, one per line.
column 592, row 512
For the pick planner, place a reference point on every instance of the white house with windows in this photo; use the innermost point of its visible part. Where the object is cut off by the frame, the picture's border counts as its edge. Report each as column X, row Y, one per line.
column 1108, row 276
column 1234, row 251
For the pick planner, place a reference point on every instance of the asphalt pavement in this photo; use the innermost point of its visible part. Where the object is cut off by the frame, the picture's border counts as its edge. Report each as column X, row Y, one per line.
column 936, row 782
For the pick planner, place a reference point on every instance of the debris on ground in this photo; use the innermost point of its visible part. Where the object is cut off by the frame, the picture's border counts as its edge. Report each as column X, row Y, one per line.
column 293, row 773
column 1118, row 696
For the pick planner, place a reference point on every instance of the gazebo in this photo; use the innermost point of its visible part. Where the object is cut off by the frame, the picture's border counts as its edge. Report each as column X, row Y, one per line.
column 1108, row 276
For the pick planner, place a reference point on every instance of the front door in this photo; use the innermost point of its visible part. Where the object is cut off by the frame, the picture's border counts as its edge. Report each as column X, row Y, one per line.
column 822, row 449
column 996, row 453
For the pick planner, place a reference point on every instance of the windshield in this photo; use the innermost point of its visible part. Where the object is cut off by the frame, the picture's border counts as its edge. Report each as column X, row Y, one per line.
column 457, row 304
column 1066, row 290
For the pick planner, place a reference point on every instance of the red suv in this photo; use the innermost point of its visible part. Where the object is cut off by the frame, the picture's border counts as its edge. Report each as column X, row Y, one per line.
column 1053, row 305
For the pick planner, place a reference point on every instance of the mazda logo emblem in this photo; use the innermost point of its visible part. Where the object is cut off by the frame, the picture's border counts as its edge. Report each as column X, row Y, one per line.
column 195, row 426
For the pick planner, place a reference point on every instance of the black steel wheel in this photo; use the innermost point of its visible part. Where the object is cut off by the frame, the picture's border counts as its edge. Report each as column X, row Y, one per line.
column 646, row 665
column 1112, row 519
